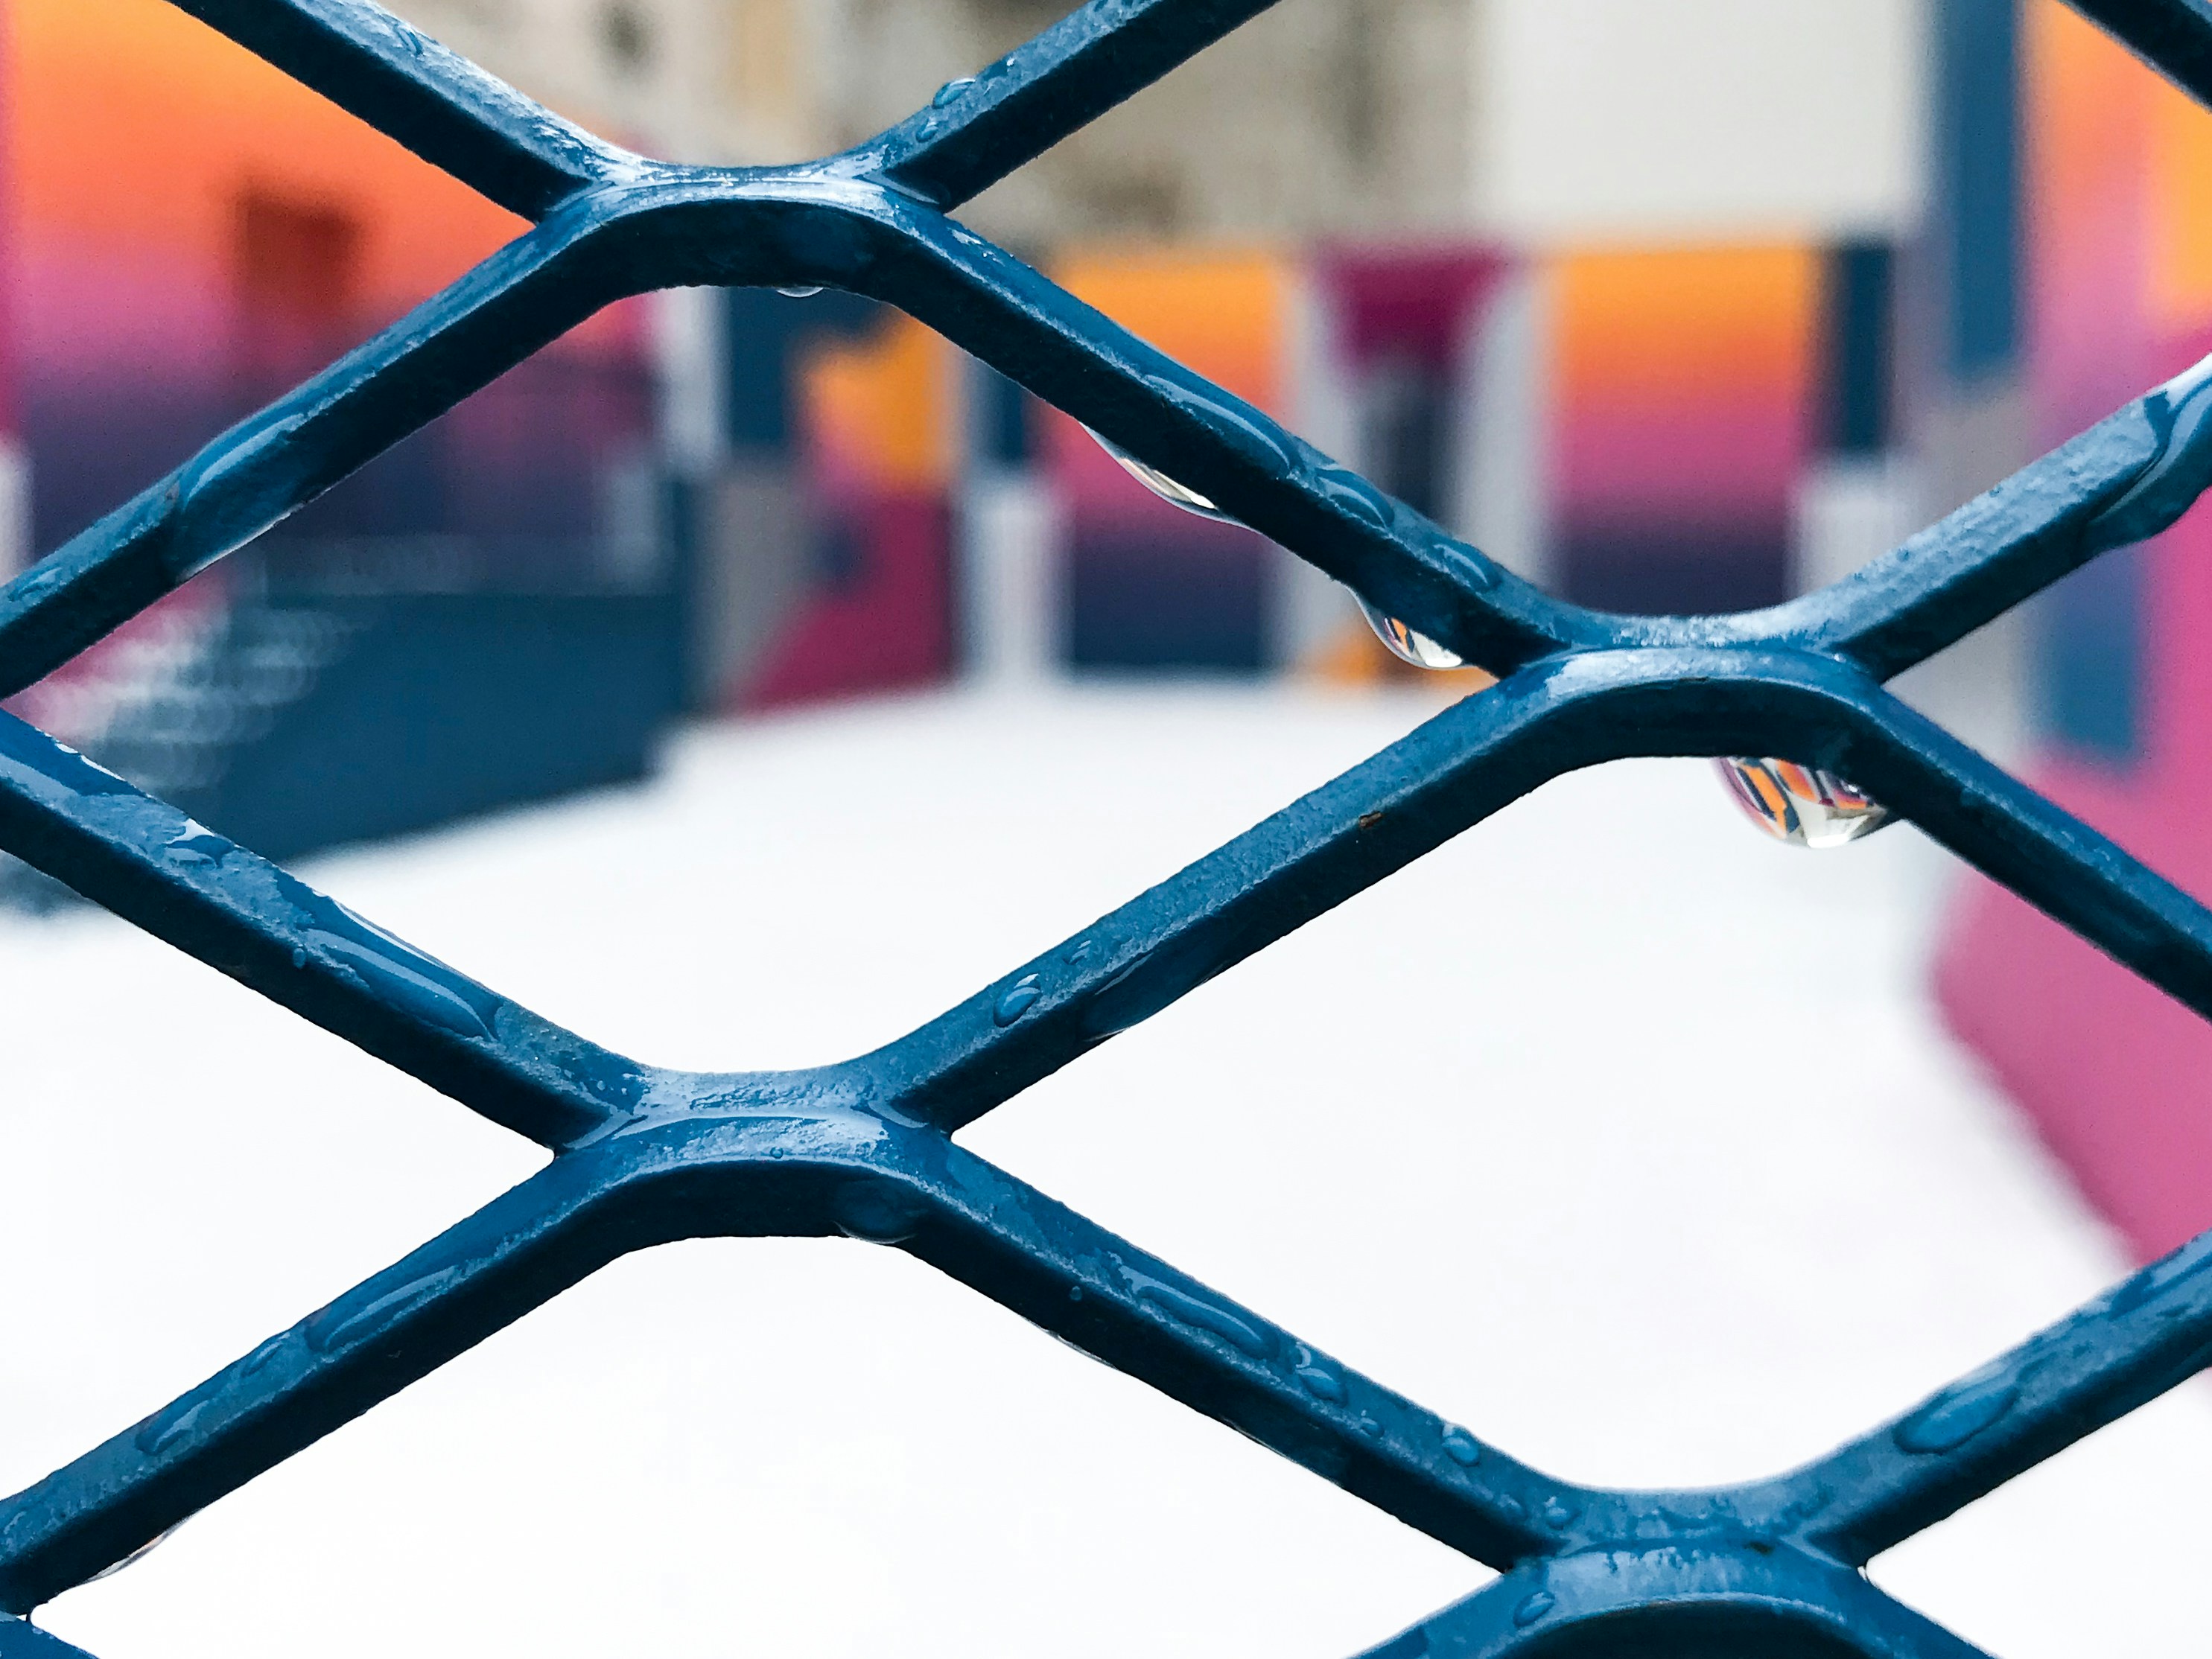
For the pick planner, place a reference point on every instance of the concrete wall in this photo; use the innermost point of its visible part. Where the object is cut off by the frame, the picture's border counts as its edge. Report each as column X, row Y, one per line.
column 701, row 80
column 1695, row 120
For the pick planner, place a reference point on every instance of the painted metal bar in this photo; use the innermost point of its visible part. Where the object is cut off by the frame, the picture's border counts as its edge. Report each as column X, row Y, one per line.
column 861, row 1148
column 979, row 129
column 1487, row 751
column 515, row 1253
column 1746, row 1602
column 1468, row 762
column 724, row 1158
column 2126, row 478
column 21, row 1639
column 1932, row 590
column 2022, row 839
column 269, row 465
column 687, row 226
column 212, row 899
column 1137, row 1314
column 1237, row 456
column 2148, row 1333
column 787, row 1158
column 2173, row 36
column 437, row 104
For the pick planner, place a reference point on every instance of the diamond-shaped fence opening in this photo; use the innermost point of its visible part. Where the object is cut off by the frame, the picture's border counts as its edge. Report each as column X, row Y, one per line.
column 646, row 1155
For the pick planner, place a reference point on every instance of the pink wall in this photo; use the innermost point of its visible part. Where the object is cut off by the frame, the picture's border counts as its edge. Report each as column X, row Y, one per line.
column 2115, row 1076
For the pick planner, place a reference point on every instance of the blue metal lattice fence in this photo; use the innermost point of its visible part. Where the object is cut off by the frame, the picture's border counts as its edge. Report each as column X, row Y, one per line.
column 646, row 1155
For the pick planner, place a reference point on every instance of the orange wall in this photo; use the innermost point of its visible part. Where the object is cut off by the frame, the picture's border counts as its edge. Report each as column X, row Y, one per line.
column 135, row 133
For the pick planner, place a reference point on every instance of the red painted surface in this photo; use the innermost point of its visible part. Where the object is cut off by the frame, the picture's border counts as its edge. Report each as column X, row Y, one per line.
column 2115, row 1076
column 1413, row 301
column 886, row 624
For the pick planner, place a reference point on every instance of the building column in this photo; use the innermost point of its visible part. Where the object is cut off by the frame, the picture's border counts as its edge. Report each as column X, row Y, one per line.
column 1011, row 586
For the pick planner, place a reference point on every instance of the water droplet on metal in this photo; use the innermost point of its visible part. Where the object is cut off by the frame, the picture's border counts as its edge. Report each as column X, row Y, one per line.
column 1018, row 1002
column 262, row 1355
column 878, row 1212
column 1801, row 805
column 2192, row 1258
column 358, row 1316
column 411, row 979
column 1370, row 1428
column 1349, row 490
column 951, row 90
column 1196, row 1311
column 805, row 291
column 1557, row 1514
column 1960, row 1411
column 1460, row 1447
column 1408, row 644
column 1237, row 424
column 1323, row 1383
column 171, row 1426
column 1160, row 484
column 197, row 844
column 1534, row 1608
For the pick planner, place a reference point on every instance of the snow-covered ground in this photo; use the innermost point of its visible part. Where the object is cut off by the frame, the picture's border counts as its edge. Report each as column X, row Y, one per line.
column 1612, row 1130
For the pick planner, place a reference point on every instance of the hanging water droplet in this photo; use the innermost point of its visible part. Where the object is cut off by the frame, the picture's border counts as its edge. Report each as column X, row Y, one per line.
column 878, row 1212
column 1801, row 805
column 1413, row 645
column 1160, row 484
column 1410, row 644
column 137, row 1555
column 803, row 292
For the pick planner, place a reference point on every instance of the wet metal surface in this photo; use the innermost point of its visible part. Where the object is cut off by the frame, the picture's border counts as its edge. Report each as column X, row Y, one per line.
column 646, row 1155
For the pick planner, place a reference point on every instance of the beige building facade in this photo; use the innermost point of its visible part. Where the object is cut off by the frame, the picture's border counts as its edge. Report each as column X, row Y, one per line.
column 1530, row 122
column 1528, row 130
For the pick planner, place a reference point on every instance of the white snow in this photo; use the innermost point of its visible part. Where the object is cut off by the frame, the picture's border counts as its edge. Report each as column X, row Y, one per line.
column 1612, row 1130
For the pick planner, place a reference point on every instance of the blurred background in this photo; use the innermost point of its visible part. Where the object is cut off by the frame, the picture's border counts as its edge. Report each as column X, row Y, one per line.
column 834, row 673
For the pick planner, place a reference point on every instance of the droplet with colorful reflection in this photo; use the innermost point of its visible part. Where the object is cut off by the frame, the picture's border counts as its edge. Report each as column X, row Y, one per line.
column 1801, row 805
column 1160, row 484
column 1409, row 644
